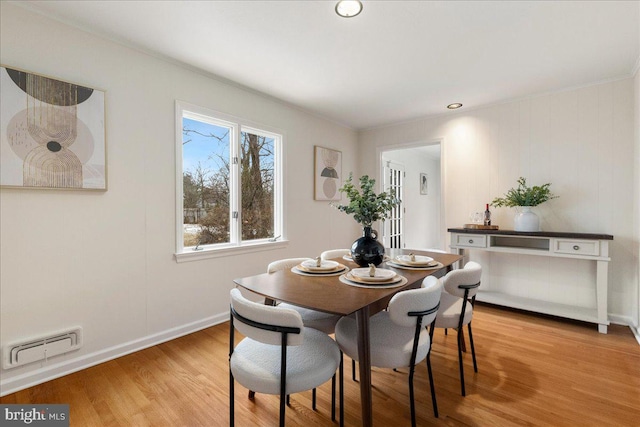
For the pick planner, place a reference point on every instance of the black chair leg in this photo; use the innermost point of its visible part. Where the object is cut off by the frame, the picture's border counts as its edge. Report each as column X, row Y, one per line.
column 333, row 397
column 353, row 370
column 313, row 399
column 252, row 394
column 288, row 400
column 411, row 397
column 473, row 350
column 341, row 379
column 231, row 399
column 460, row 363
column 282, row 407
column 432, row 386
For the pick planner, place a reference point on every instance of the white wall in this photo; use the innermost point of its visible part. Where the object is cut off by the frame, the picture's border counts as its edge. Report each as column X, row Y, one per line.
column 104, row 260
column 582, row 141
column 422, row 212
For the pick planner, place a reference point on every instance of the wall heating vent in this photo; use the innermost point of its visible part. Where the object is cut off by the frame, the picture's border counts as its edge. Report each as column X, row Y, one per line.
column 38, row 349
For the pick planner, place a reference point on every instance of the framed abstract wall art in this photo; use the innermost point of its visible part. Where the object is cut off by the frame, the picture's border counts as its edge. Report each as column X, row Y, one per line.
column 53, row 133
column 424, row 184
column 327, row 175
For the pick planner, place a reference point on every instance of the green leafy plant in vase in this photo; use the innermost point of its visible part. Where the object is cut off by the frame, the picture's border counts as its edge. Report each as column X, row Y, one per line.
column 367, row 207
column 523, row 198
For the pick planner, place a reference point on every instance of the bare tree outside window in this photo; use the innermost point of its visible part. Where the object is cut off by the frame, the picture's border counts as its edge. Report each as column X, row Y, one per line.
column 207, row 186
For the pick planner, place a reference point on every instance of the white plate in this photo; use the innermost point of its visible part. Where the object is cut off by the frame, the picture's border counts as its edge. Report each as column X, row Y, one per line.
column 311, row 264
column 419, row 260
column 381, row 274
column 436, row 265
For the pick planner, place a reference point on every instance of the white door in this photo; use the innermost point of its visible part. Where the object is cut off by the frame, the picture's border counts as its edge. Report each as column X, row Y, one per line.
column 394, row 226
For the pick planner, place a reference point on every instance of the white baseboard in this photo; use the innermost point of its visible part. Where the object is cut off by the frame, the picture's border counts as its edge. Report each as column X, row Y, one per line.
column 636, row 333
column 39, row 376
column 627, row 321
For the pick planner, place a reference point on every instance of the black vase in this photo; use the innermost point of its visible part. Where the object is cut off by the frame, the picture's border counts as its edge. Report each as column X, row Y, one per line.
column 367, row 250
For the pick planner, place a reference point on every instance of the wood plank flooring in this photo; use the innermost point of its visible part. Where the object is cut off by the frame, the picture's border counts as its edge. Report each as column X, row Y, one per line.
column 533, row 371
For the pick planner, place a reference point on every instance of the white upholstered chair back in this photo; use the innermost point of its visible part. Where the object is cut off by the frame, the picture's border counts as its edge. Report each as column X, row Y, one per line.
column 415, row 300
column 469, row 275
column 335, row 253
column 283, row 264
column 265, row 314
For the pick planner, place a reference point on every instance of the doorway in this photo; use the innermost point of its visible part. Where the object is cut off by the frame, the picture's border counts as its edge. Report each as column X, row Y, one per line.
column 418, row 222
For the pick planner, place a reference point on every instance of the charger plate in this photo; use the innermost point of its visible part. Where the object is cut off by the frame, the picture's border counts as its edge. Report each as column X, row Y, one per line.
column 342, row 269
column 407, row 267
column 325, row 265
column 346, row 281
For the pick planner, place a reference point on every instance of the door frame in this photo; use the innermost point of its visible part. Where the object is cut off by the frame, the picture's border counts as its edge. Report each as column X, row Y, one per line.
column 443, row 185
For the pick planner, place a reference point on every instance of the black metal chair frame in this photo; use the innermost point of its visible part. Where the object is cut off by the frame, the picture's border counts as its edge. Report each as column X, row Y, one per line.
column 414, row 351
column 285, row 331
column 465, row 299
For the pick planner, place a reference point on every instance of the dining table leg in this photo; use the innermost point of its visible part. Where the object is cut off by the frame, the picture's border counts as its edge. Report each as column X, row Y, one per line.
column 364, row 363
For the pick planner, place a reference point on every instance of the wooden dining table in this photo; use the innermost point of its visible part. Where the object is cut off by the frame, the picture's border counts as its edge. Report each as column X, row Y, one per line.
column 330, row 295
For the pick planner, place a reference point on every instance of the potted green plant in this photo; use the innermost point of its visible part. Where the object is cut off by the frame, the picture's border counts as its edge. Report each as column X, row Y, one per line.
column 367, row 207
column 523, row 198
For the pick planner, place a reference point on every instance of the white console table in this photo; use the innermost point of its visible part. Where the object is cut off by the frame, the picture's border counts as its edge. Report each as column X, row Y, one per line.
column 594, row 247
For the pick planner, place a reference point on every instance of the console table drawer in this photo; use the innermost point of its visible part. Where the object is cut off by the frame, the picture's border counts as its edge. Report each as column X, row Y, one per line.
column 471, row 240
column 577, row 247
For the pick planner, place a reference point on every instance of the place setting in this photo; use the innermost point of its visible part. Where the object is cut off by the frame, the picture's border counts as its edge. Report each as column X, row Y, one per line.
column 319, row 267
column 414, row 262
column 372, row 277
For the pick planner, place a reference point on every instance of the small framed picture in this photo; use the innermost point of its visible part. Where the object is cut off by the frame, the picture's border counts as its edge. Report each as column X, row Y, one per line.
column 327, row 174
column 424, row 184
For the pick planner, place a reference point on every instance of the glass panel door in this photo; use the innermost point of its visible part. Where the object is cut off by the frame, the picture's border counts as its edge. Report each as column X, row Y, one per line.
column 394, row 226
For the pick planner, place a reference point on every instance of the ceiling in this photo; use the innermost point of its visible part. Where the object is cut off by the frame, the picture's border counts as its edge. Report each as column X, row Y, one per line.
column 396, row 61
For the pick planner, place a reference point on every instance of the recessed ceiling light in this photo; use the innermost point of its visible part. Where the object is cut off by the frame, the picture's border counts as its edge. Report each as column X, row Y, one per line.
column 454, row 106
column 348, row 8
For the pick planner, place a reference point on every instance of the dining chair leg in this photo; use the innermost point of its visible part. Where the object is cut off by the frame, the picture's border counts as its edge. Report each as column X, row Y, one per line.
column 432, row 386
column 283, row 398
column 313, row 399
column 341, row 379
column 231, row 398
column 288, row 400
column 353, row 370
column 411, row 397
column 473, row 350
column 333, row 397
column 252, row 394
column 460, row 363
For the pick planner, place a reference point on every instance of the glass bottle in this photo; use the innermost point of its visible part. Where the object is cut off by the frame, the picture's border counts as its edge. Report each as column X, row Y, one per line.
column 487, row 215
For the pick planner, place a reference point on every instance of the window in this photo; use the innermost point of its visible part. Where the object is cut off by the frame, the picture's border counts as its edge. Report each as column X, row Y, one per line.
column 229, row 185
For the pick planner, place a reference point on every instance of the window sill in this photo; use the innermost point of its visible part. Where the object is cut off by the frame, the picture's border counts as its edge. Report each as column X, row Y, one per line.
column 191, row 255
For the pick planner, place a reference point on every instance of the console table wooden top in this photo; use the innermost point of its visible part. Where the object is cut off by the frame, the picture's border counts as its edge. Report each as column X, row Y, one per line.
column 559, row 234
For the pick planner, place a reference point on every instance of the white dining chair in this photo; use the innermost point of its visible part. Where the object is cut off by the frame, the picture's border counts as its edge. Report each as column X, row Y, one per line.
column 319, row 320
column 335, row 253
column 278, row 354
column 397, row 336
column 456, row 308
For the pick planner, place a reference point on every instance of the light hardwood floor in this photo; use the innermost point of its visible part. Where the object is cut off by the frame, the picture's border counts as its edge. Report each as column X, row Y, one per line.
column 533, row 370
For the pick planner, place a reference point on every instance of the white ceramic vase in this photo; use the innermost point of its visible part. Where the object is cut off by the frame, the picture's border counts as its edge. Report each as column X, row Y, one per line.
column 525, row 220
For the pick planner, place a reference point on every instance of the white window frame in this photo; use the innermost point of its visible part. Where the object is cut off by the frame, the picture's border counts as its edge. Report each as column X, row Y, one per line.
column 236, row 244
